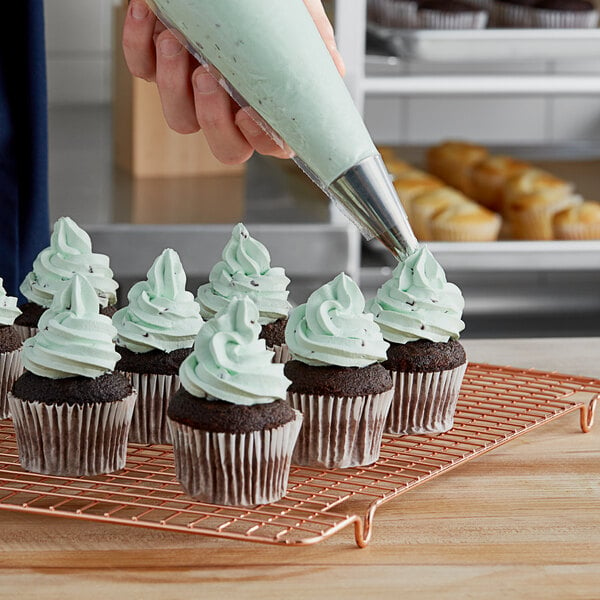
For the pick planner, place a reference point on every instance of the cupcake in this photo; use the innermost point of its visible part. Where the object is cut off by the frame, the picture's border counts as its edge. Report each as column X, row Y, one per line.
column 155, row 333
column 233, row 433
column 246, row 269
column 70, row 411
column 400, row 14
column 337, row 380
column 579, row 222
column 565, row 14
column 465, row 222
column 419, row 314
column 426, row 206
column 513, row 13
column 10, row 348
column 450, row 14
column 412, row 183
column 70, row 252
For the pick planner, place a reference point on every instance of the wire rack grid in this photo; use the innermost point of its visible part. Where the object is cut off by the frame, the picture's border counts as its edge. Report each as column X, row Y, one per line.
column 496, row 405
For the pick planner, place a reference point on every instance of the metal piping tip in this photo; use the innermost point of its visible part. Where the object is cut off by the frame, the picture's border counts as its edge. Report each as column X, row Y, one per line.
column 367, row 194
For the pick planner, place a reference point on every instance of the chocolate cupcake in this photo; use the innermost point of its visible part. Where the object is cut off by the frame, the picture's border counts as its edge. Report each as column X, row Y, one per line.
column 454, row 14
column 401, row 14
column 513, row 13
column 337, row 381
column 10, row 348
column 419, row 313
column 70, row 411
column 245, row 269
column 70, row 252
column 233, row 433
column 565, row 14
column 155, row 333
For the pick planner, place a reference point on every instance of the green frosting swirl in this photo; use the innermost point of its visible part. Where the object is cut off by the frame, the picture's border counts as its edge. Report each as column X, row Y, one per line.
column 161, row 314
column 73, row 337
column 8, row 307
column 70, row 252
column 418, row 303
column 246, row 269
column 230, row 363
column 332, row 329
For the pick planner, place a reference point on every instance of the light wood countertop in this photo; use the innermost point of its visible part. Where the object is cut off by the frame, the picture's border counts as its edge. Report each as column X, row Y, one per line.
column 522, row 521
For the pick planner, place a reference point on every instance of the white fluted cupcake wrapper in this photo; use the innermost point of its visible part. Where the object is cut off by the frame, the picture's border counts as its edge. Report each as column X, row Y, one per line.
column 72, row 440
column 424, row 403
column 234, row 469
column 149, row 422
column 282, row 353
column 25, row 332
column 432, row 19
column 564, row 19
column 10, row 369
column 340, row 432
column 393, row 13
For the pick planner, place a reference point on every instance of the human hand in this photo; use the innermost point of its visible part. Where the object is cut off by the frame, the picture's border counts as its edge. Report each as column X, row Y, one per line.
column 191, row 97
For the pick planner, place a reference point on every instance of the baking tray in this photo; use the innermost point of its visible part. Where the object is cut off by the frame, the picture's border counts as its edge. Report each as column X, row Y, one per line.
column 474, row 45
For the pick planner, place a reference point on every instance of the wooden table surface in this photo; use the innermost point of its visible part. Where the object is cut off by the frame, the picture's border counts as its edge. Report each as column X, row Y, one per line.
column 522, row 521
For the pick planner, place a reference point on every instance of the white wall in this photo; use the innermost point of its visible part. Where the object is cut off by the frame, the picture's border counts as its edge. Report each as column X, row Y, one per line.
column 79, row 38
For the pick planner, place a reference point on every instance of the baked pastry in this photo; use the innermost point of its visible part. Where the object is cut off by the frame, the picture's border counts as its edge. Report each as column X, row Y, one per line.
column 424, row 207
column 246, row 269
column 233, row 433
column 513, row 13
column 489, row 177
column 413, row 183
column 393, row 13
column 71, row 412
column 465, row 222
column 155, row 333
column 579, row 222
column 532, row 198
column 419, row 314
column 10, row 348
column 453, row 161
column 450, row 14
column 571, row 14
column 69, row 252
column 336, row 379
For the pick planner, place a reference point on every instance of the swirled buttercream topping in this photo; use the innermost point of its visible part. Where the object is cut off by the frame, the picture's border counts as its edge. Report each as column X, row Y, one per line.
column 161, row 314
column 332, row 329
column 73, row 337
column 230, row 363
column 8, row 307
column 246, row 269
column 70, row 252
column 418, row 303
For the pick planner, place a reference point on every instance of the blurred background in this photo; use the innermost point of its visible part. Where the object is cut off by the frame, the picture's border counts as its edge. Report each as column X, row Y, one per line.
column 136, row 187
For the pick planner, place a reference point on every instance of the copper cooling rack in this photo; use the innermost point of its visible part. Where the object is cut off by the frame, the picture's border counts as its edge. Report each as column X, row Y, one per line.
column 497, row 404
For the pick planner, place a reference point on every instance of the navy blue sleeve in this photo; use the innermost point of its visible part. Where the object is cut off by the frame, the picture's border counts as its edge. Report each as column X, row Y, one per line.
column 24, row 225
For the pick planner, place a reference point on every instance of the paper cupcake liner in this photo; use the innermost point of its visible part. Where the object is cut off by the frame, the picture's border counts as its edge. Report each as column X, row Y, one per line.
column 234, row 469
column 340, row 432
column 563, row 19
column 77, row 440
column 282, row 353
column 433, row 19
column 10, row 369
column 393, row 13
column 577, row 231
column 512, row 15
column 482, row 232
column 25, row 332
column 149, row 422
column 424, row 403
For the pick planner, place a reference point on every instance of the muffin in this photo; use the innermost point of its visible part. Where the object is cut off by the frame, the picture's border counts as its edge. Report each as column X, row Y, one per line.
column 579, row 222
column 531, row 200
column 425, row 206
column 465, row 222
column 453, row 161
column 565, row 14
column 450, row 14
column 246, row 269
column 513, row 13
column 419, row 314
column 70, row 411
column 233, row 433
column 70, row 252
column 489, row 177
column 337, row 381
column 10, row 348
column 412, row 183
column 155, row 333
column 400, row 14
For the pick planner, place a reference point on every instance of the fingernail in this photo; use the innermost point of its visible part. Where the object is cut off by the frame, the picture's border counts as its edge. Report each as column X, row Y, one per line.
column 205, row 83
column 170, row 47
column 248, row 124
column 139, row 10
